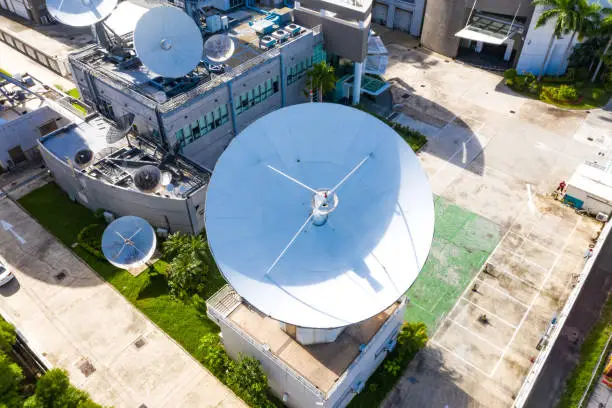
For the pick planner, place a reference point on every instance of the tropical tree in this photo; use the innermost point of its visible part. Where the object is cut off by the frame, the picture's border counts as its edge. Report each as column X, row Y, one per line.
column 213, row 355
column 10, row 378
column 585, row 21
column 322, row 78
column 569, row 16
column 7, row 336
column 411, row 338
column 605, row 29
column 53, row 390
column 248, row 381
column 187, row 274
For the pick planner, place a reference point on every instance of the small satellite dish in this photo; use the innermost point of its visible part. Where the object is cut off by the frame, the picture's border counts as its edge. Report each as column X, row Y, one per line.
column 333, row 217
column 128, row 242
column 170, row 187
column 147, row 179
column 166, row 178
column 80, row 13
column 168, row 42
column 83, row 158
column 219, row 48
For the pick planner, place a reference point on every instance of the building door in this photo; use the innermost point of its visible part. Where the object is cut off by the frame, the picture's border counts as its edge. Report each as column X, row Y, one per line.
column 17, row 155
column 402, row 20
column 379, row 13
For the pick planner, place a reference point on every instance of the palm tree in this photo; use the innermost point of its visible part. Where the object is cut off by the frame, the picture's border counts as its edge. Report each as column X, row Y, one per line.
column 566, row 19
column 604, row 28
column 322, row 78
column 585, row 21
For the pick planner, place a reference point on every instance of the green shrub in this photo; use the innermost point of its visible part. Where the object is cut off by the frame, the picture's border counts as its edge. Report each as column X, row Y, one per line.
column 248, row 381
column 510, row 83
column 7, row 336
column 99, row 214
column 90, row 239
column 567, row 93
column 11, row 377
column 597, row 93
column 581, row 74
column 212, row 354
column 53, row 389
column 510, row 74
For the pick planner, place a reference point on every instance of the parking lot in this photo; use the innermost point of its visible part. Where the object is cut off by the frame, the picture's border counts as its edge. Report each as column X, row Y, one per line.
column 500, row 156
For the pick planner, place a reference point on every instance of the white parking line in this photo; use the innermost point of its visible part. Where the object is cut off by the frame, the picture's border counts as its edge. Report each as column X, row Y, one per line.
column 509, row 296
column 510, row 274
column 438, row 344
column 536, row 244
column 535, row 297
column 473, row 333
column 489, row 313
column 522, row 258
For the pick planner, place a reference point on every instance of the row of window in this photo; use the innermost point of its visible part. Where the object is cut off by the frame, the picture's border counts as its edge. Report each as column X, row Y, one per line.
column 298, row 71
column 202, row 126
column 256, row 95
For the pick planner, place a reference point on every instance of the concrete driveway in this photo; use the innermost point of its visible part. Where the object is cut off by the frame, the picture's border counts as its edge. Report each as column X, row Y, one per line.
column 499, row 155
column 76, row 321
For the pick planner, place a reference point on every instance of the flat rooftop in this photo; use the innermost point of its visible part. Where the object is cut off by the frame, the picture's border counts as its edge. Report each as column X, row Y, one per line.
column 321, row 364
column 156, row 89
column 115, row 163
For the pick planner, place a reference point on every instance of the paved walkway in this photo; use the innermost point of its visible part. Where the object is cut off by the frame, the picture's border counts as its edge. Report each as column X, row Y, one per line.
column 78, row 322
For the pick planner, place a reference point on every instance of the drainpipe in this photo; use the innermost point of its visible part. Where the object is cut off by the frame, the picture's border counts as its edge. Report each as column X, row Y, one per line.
column 357, row 74
column 233, row 110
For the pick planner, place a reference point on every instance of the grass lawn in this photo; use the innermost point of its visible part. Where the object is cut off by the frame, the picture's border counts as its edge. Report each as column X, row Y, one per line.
column 5, row 72
column 462, row 243
column 148, row 291
column 591, row 349
column 79, row 107
column 587, row 101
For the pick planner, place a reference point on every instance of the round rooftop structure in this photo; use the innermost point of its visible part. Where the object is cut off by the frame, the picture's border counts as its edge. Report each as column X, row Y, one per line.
column 219, row 48
column 319, row 215
column 128, row 242
column 148, row 178
column 80, row 13
column 83, row 158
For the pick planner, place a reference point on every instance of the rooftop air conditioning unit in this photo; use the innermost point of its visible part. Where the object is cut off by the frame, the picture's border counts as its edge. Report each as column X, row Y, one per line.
column 280, row 35
column 293, row 29
column 267, row 41
column 603, row 217
column 224, row 22
column 213, row 23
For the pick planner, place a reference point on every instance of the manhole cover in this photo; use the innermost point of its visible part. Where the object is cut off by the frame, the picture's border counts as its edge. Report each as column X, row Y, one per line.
column 143, row 406
column 86, row 367
column 60, row 276
column 139, row 343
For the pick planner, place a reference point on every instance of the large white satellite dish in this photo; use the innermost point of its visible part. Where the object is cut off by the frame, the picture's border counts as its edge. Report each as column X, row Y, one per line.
column 128, row 242
column 80, row 13
column 219, row 48
column 168, row 42
column 319, row 215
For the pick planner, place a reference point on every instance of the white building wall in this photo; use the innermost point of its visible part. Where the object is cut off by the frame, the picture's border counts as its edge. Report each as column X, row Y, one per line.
column 592, row 204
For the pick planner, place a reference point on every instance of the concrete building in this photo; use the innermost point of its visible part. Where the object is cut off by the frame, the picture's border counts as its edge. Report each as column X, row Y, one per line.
column 107, row 180
column 590, row 189
column 493, row 33
column 312, row 375
column 33, row 10
column 198, row 115
column 402, row 15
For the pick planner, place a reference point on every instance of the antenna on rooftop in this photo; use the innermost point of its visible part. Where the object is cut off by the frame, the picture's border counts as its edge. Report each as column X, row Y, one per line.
column 219, row 48
column 319, row 223
column 80, row 13
column 168, row 42
column 148, row 178
column 128, row 242
column 83, row 158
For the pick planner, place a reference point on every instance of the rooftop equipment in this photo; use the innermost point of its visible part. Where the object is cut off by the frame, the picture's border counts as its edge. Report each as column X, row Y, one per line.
column 128, row 242
column 267, row 41
column 219, row 48
column 262, row 26
column 83, row 158
column 293, row 29
column 148, row 179
column 168, row 42
column 280, row 35
column 213, row 23
column 80, row 13
column 319, row 223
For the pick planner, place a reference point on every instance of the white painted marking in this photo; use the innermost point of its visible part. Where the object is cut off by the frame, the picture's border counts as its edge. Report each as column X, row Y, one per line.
column 513, row 276
column 473, row 333
column 530, row 203
column 503, row 292
column 522, row 258
column 464, row 153
column 419, row 306
column 450, row 158
column 437, row 344
column 8, row 227
column 489, row 313
column 535, row 298
column 534, row 243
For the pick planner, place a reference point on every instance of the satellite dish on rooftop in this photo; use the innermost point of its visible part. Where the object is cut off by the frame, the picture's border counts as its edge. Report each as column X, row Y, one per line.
column 148, row 178
column 319, row 223
column 168, row 42
column 83, row 158
column 80, row 13
column 219, row 48
column 128, row 242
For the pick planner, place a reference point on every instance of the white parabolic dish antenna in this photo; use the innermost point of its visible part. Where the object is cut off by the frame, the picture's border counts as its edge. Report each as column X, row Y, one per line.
column 219, row 48
column 319, row 215
column 168, row 42
column 128, row 242
column 80, row 13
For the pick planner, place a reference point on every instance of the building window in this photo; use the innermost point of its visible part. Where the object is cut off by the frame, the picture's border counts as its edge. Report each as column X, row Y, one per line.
column 236, row 3
column 106, row 109
column 256, row 95
column 318, row 54
column 298, row 71
column 202, row 126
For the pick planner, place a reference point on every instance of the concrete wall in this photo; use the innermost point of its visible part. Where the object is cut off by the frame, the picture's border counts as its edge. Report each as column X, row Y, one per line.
column 417, row 8
column 24, row 131
column 301, row 48
column 174, row 214
column 341, row 38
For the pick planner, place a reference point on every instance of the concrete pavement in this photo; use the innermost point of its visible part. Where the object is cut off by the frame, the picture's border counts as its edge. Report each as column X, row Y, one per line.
column 78, row 322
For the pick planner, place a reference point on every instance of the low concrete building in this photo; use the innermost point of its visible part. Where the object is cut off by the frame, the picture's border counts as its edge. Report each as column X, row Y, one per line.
column 107, row 181
column 590, row 189
column 305, row 376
